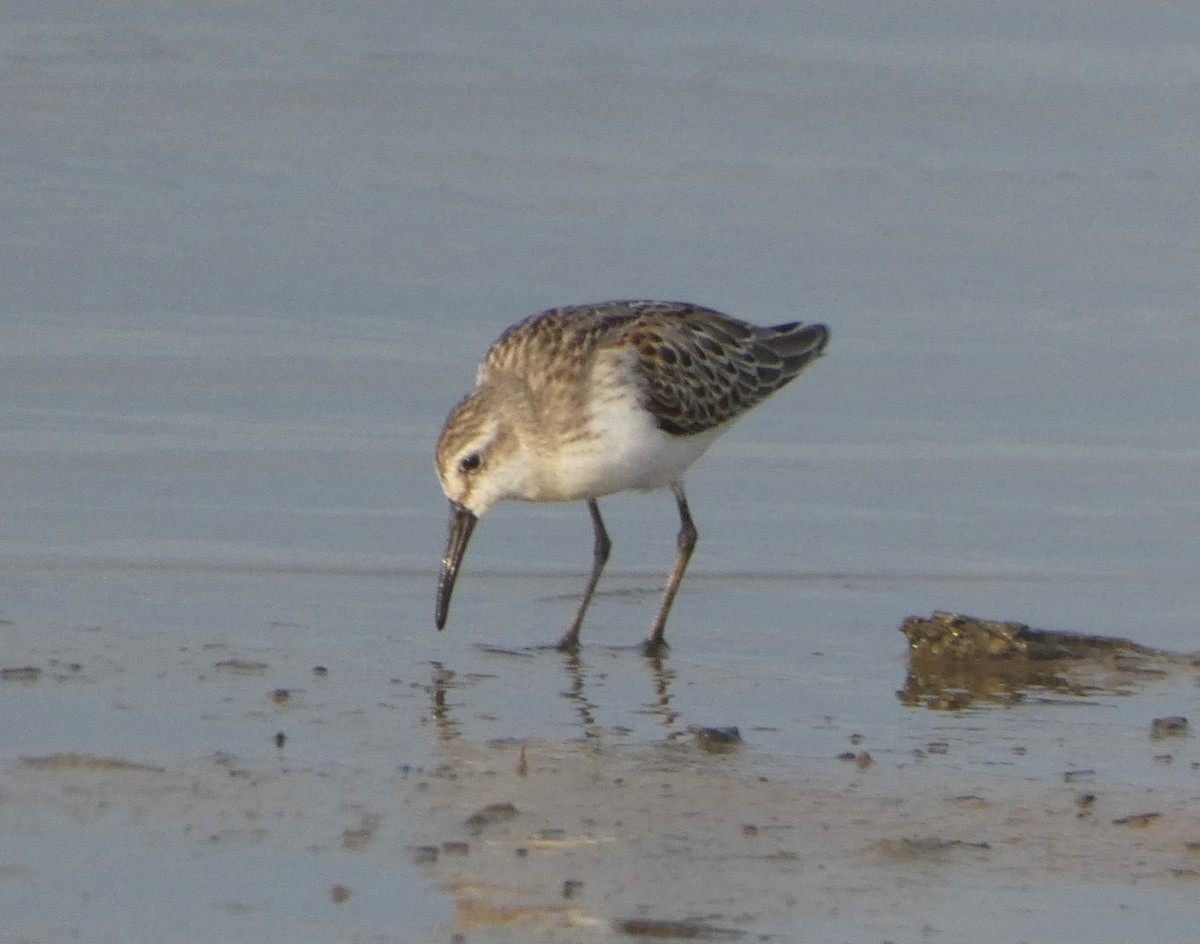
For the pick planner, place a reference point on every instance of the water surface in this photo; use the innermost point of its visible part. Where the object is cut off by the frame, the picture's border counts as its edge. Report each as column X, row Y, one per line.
column 251, row 259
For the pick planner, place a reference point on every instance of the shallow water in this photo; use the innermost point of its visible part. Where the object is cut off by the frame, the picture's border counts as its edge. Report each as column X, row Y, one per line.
column 252, row 258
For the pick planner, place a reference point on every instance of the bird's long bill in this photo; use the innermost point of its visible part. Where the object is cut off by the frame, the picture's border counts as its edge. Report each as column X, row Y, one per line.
column 462, row 523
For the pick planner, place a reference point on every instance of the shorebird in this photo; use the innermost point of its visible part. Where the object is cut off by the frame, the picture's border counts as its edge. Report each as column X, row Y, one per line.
column 580, row 402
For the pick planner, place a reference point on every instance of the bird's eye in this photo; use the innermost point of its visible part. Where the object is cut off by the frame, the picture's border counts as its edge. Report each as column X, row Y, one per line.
column 470, row 462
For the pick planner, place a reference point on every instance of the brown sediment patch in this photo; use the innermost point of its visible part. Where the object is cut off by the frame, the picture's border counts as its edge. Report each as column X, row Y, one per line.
column 86, row 762
column 473, row 914
column 241, row 666
column 1137, row 820
column 20, row 673
column 356, row 837
column 492, row 813
column 923, row 848
column 666, row 929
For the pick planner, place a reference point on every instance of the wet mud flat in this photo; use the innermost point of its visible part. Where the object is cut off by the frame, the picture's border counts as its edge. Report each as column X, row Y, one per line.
column 666, row 843
column 214, row 790
column 700, row 837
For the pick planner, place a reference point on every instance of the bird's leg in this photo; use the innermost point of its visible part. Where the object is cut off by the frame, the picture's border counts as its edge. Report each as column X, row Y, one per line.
column 570, row 641
column 684, row 545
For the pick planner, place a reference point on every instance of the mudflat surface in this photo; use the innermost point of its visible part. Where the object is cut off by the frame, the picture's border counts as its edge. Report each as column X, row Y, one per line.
column 189, row 785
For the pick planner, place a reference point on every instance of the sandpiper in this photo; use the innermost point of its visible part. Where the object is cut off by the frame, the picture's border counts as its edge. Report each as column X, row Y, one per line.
column 580, row 402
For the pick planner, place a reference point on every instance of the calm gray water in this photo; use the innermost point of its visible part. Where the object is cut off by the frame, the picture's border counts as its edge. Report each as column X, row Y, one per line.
column 252, row 256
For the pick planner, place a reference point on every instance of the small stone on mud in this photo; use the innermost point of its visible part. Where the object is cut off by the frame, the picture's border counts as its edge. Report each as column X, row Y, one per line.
column 455, row 847
column 492, row 813
column 1174, row 726
column 718, row 740
column 571, row 887
column 281, row 696
column 339, row 893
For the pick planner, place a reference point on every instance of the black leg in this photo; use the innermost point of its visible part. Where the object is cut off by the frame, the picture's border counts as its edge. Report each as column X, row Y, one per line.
column 684, row 545
column 603, row 545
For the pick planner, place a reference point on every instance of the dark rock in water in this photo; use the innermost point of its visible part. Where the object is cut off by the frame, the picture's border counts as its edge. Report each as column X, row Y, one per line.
column 956, row 661
column 968, row 637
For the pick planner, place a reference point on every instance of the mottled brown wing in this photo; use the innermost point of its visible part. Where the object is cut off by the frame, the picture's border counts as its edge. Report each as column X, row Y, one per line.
column 560, row 341
column 701, row 368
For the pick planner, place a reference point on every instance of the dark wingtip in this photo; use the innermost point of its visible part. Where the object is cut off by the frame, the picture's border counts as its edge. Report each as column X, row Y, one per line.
column 797, row 345
column 822, row 336
column 797, row 338
column 820, row 340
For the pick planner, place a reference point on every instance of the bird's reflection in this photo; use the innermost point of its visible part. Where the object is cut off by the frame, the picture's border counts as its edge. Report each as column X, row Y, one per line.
column 444, row 680
column 446, row 686
column 576, row 693
column 662, row 677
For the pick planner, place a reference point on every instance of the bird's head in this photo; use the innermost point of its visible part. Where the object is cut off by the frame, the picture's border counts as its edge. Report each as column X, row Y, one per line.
column 480, row 461
column 480, row 456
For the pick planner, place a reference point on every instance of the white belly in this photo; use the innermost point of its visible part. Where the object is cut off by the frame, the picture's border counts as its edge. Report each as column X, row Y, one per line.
column 626, row 451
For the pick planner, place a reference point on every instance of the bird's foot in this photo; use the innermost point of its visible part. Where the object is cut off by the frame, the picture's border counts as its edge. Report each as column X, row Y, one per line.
column 655, row 648
column 568, row 644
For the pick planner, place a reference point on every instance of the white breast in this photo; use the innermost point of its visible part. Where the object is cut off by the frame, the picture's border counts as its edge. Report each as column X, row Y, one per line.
column 623, row 448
